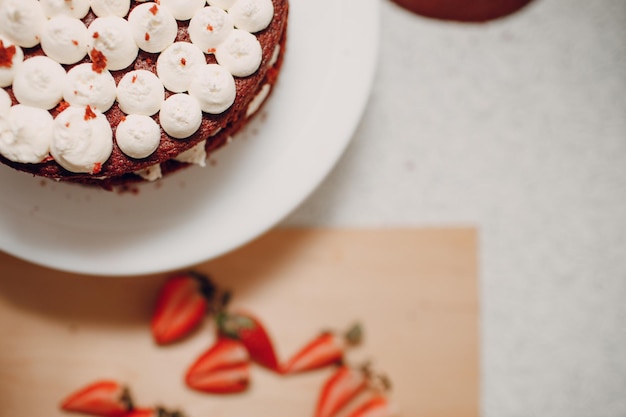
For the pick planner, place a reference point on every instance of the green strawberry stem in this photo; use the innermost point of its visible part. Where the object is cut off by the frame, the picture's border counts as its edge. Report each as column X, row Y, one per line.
column 354, row 335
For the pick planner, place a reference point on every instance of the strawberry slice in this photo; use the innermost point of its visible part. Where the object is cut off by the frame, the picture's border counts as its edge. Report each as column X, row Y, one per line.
column 326, row 349
column 377, row 406
column 181, row 305
column 223, row 369
column 344, row 385
column 101, row 398
column 250, row 332
column 153, row 412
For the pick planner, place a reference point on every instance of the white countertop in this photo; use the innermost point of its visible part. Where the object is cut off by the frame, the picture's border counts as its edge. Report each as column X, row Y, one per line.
column 517, row 127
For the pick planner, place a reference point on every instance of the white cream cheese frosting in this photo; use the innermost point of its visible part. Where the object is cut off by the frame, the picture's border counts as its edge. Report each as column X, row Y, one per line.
column 21, row 139
column 177, row 64
column 39, row 82
column 214, row 88
column 210, row 27
column 22, row 21
column 258, row 100
column 183, row 9
column 154, row 28
column 224, row 4
column 138, row 136
column 86, row 87
column 240, row 53
column 9, row 69
column 252, row 15
column 152, row 173
column 180, row 116
column 140, row 92
column 5, row 103
column 113, row 37
column 82, row 140
column 72, row 8
column 196, row 155
column 104, row 8
column 65, row 39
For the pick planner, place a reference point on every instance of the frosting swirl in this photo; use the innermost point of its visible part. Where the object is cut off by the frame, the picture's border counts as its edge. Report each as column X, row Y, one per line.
column 23, row 141
column 39, row 82
column 86, row 87
column 138, row 136
column 22, row 21
column 82, row 140
column 154, row 28
column 65, row 39
column 180, row 116
column 140, row 92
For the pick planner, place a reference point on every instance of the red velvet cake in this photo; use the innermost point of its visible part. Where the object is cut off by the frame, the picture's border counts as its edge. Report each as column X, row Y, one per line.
column 107, row 92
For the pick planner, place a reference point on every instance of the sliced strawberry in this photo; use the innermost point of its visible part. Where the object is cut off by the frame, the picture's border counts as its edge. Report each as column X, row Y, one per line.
column 153, row 412
column 251, row 333
column 223, row 369
column 326, row 349
column 101, row 398
column 377, row 406
column 181, row 304
column 344, row 385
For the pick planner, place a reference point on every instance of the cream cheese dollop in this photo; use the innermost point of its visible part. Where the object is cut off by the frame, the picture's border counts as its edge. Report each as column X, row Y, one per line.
column 7, row 72
column 104, row 8
column 241, row 53
column 22, row 21
column 113, row 37
column 39, row 82
column 140, row 92
column 21, row 138
column 177, row 64
column 154, row 28
column 252, row 15
column 180, row 116
column 214, row 88
column 183, row 9
column 65, row 39
column 138, row 136
column 86, row 87
column 72, row 8
column 5, row 103
column 82, row 140
column 209, row 27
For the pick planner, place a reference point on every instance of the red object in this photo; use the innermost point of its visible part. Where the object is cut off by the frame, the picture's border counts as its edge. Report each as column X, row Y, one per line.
column 251, row 333
column 223, row 369
column 343, row 386
column 326, row 349
column 102, row 398
column 99, row 61
column 180, row 307
column 377, row 406
column 463, row 10
column 6, row 55
column 142, row 412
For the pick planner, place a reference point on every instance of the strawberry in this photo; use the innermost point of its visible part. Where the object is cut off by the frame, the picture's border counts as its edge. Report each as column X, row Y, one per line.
column 181, row 304
column 223, row 369
column 377, row 406
column 101, row 398
column 326, row 349
column 153, row 412
column 343, row 385
column 250, row 332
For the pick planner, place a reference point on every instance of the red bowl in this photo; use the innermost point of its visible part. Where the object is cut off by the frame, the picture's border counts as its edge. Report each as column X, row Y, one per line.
column 463, row 10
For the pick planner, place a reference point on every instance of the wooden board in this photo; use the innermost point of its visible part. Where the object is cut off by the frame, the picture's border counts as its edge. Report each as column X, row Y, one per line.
column 414, row 290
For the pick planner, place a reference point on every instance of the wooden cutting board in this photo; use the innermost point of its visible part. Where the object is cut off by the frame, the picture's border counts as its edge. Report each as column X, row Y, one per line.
column 414, row 291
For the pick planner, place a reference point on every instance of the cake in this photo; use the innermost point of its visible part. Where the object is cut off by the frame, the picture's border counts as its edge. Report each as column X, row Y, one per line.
column 107, row 92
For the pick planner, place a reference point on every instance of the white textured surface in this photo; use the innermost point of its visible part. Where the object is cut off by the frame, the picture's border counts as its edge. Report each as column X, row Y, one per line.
column 517, row 127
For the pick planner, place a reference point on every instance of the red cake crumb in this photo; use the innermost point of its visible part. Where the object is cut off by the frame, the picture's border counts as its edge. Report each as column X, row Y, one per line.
column 6, row 55
column 99, row 61
column 89, row 114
